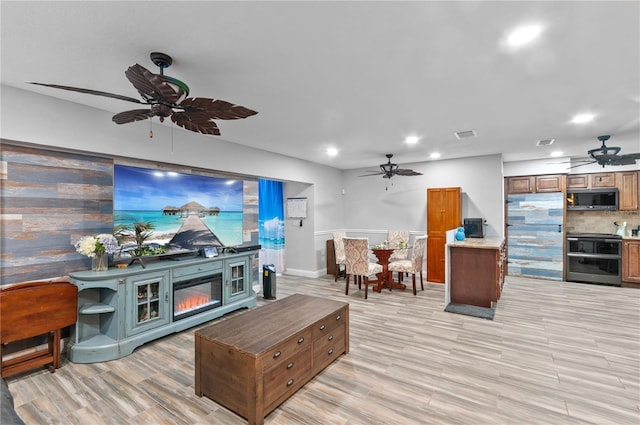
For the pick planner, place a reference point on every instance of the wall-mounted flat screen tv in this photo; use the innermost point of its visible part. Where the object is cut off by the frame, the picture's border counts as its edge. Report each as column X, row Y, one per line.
column 187, row 211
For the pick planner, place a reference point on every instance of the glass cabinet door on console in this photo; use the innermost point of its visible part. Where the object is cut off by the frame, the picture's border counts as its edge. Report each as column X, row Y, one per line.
column 148, row 296
column 236, row 278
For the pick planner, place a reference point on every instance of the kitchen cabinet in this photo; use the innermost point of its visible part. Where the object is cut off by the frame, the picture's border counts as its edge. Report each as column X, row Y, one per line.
column 589, row 181
column 253, row 362
column 631, row 260
column 603, row 180
column 476, row 272
column 628, row 190
column 444, row 212
column 536, row 184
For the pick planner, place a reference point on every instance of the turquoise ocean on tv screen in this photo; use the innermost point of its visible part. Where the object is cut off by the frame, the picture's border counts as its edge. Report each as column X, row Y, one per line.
column 227, row 225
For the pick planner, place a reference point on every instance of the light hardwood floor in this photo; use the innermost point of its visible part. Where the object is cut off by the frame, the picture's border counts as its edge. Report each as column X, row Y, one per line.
column 556, row 353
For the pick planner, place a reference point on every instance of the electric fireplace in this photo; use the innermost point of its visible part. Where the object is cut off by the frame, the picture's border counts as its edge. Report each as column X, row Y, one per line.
column 194, row 296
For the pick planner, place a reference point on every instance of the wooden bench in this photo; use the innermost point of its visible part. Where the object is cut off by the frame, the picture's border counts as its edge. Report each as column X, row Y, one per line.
column 33, row 309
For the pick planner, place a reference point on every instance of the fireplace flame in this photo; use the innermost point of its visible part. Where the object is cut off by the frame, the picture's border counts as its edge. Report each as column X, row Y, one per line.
column 192, row 302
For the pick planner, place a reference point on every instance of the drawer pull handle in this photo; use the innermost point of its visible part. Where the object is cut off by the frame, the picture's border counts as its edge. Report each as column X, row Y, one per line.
column 322, row 327
column 330, row 351
column 330, row 337
column 289, row 382
column 301, row 340
column 290, row 365
column 338, row 317
column 276, row 354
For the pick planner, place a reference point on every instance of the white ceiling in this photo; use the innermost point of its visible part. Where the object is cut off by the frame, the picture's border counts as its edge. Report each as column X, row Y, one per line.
column 360, row 76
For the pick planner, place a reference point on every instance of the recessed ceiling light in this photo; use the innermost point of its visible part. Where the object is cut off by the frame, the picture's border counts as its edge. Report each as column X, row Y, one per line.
column 411, row 140
column 332, row 151
column 524, row 35
column 556, row 153
column 435, row 155
column 582, row 118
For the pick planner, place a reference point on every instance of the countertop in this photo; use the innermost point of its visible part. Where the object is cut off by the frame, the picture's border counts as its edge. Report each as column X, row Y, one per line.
column 633, row 238
column 481, row 243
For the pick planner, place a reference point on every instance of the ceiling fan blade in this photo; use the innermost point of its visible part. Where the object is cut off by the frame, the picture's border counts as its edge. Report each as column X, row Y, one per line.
column 581, row 165
column 372, row 173
column 131, row 116
column 622, row 160
column 197, row 122
column 88, row 91
column 406, row 172
column 215, row 109
column 155, row 87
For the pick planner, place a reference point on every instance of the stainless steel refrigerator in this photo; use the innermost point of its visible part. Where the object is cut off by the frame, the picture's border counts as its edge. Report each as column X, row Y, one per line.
column 535, row 235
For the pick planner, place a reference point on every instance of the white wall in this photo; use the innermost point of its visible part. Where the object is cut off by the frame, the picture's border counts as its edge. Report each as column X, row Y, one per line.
column 373, row 205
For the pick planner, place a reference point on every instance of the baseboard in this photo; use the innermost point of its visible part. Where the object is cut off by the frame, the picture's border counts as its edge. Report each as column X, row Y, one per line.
column 306, row 273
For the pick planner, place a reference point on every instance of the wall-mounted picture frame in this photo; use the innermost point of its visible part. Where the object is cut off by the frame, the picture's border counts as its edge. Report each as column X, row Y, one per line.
column 296, row 207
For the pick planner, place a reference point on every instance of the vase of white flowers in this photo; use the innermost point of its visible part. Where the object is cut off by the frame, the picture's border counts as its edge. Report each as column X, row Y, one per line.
column 98, row 249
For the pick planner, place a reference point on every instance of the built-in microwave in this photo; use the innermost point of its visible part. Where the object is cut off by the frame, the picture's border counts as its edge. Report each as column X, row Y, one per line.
column 474, row 227
column 604, row 199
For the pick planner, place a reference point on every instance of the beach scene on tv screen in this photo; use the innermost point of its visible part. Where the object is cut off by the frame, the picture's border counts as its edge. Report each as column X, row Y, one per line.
column 186, row 211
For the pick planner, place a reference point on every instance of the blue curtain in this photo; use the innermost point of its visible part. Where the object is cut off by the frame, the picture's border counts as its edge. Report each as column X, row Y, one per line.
column 271, row 223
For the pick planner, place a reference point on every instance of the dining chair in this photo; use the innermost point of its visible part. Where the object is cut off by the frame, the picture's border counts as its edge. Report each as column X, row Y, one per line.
column 358, row 264
column 412, row 266
column 338, row 246
column 394, row 237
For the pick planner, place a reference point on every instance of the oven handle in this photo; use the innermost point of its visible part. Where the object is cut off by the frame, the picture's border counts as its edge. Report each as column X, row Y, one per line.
column 601, row 256
column 591, row 239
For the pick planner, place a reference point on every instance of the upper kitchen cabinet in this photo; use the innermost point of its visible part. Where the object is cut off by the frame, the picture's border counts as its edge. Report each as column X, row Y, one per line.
column 536, row 184
column 628, row 190
column 588, row 181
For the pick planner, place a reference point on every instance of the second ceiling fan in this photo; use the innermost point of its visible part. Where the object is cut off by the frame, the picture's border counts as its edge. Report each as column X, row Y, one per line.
column 390, row 169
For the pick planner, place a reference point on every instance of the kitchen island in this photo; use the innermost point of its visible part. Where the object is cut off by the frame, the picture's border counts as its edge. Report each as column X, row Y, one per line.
column 475, row 271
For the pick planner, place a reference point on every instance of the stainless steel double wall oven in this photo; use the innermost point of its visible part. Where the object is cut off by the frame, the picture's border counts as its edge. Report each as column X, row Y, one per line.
column 594, row 258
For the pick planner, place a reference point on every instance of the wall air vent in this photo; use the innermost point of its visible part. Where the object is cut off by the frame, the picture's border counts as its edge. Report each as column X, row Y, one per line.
column 545, row 142
column 465, row 134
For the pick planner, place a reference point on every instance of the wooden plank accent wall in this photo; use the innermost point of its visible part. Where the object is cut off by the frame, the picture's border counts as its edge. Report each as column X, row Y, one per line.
column 49, row 200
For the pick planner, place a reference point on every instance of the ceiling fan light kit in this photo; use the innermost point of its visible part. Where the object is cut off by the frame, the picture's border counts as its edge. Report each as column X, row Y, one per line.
column 168, row 97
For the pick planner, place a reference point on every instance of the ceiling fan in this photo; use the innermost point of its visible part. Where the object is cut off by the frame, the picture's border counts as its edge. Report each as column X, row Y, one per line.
column 167, row 97
column 389, row 170
column 608, row 155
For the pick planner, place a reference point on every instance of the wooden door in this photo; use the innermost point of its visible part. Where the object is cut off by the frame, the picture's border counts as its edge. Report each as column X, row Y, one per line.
column 443, row 213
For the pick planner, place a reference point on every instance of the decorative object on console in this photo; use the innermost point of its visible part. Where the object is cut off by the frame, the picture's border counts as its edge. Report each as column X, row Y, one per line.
column 98, row 249
column 167, row 97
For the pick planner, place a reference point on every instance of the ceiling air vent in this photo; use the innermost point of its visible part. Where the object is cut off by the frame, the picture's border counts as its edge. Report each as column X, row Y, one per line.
column 545, row 142
column 465, row 134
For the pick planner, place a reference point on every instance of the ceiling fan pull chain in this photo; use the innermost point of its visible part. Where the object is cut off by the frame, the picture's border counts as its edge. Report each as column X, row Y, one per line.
column 150, row 130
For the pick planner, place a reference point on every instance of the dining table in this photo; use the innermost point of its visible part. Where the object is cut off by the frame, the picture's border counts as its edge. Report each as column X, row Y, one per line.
column 385, row 280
